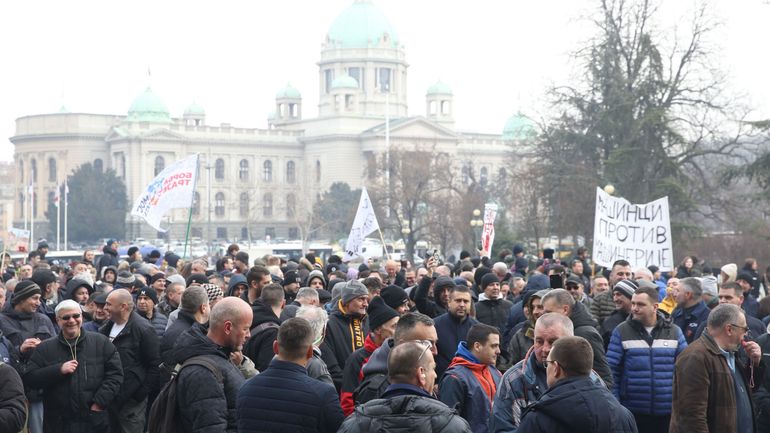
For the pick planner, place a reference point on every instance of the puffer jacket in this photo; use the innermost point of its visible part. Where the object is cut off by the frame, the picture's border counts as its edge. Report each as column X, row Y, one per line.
column 603, row 306
column 469, row 387
column 493, row 312
column 18, row 326
column 13, row 410
column 577, row 405
column 205, row 405
column 67, row 398
column 643, row 365
column 405, row 408
column 159, row 322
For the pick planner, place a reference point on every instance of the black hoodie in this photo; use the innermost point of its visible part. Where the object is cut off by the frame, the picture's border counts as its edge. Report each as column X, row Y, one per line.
column 264, row 330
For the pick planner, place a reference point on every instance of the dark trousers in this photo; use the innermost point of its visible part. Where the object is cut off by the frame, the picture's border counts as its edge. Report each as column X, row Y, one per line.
column 652, row 423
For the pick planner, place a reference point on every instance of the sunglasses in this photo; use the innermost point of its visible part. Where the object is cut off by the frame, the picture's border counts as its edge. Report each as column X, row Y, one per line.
column 428, row 345
column 70, row 316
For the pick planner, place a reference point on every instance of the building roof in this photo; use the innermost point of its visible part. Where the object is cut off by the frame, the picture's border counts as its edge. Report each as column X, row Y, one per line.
column 345, row 82
column 288, row 91
column 194, row 110
column 519, row 127
column 440, row 88
column 148, row 107
column 360, row 25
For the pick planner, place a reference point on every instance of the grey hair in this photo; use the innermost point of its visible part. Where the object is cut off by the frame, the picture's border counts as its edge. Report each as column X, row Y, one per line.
column 560, row 296
column 693, row 285
column 307, row 293
column 500, row 267
column 317, row 317
column 723, row 314
column 642, row 272
column 548, row 320
column 193, row 298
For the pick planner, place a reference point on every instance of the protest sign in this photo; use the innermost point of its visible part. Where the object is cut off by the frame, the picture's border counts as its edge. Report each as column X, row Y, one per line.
column 364, row 223
column 488, row 233
column 172, row 188
column 639, row 234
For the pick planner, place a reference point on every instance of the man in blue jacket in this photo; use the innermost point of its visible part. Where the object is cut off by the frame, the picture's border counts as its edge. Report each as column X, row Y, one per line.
column 452, row 327
column 642, row 354
column 284, row 398
column 690, row 310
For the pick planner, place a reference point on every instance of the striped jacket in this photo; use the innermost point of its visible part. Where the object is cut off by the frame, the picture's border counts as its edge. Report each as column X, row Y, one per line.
column 643, row 365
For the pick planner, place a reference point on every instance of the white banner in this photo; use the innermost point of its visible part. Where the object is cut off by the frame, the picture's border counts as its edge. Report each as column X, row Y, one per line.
column 364, row 224
column 637, row 233
column 488, row 234
column 18, row 239
column 172, row 188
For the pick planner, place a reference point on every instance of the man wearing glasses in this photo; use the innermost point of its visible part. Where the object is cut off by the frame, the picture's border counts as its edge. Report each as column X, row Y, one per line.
column 690, row 310
column 573, row 402
column 79, row 372
column 713, row 380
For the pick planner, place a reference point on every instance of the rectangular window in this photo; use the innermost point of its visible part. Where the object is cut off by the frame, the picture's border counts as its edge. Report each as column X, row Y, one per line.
column 293, row 233
column 383, row 79
column 221, row 232
column 358, row 74
column 270, row 231
column 328, row 78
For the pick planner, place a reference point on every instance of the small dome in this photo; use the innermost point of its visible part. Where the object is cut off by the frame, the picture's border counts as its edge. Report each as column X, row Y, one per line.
column 271, row 115
column 440, row 88
column 288, row 92
column 360, row 25
column 345, row 82
column 194, row 110
column 148, row 107
column 519, row 127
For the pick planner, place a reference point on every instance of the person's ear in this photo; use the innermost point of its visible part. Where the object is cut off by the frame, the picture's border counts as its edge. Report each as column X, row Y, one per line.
column 309, row 353
column 275, row 347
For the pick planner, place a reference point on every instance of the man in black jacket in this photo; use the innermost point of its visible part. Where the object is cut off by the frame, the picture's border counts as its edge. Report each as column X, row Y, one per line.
column 137, row 344
column 408, row 403
column 194, row 308
column 13, row 410
column 79, row 372
column 264, row 325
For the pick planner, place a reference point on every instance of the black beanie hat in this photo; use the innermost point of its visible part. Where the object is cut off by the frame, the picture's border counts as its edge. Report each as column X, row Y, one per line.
column 149, row 292
column 626, row 288
column 197, row 279
column 488, row 279
column 394, row 296
column 25, row 289
column 379, row 313
column 43, row 277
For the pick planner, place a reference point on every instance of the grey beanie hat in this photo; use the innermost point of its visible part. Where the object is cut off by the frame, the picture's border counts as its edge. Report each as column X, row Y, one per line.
column 352, row 290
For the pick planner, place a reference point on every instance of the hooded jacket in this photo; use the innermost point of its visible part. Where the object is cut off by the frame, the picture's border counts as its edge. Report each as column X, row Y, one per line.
column 264, row 330
column 205, row 405
column 577, row 405
column 235, row 279
column 352, row 374
column 345, row 333
column 109, row 258
column 67, row 398
column 469, row 387
column 585, row 326
column 430, row 307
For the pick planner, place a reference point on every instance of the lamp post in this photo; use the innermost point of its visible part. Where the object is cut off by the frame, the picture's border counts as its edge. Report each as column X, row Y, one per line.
column 476, row 224
column 405, row 232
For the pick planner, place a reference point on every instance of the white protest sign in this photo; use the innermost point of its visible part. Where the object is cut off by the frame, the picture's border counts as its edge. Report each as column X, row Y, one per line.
column 488, row 234
column 364, row 224
column 637, row 233
column 172, row 188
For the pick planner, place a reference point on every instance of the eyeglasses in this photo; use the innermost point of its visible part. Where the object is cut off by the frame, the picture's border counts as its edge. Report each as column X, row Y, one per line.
column 548, row 362
column 743, row 328
column 70, row 316
column 428, row 345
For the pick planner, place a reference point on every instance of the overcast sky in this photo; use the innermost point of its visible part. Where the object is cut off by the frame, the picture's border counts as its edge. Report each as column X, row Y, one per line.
column 499, row 56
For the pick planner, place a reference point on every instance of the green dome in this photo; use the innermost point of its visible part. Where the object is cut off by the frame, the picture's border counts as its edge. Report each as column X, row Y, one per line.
column 194, row 110
column 288, row 92
column 345, row 82
column 519, row 127
column 439, row 88
column 148, row 107
column 360, row 25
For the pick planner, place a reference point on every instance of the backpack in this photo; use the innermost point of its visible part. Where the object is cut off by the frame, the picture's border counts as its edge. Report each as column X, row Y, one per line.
column 163, row 413
column 372, row 387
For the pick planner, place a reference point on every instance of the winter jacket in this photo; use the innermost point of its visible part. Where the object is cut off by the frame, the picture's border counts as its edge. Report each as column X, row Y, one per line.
column 521, row 342
column 332, row 366
column 67, row 398
column 405, row 408
column 235, row 279
column 137, row 346
column 702, row 372
column 184, row 322
column 469, row 387
column 493, row 312
column 93, row 325
column 18, row 326
column 352, row 375
column 264, row 331
column 13, row 403
column 577, row 405
column 284, row 398
column 109, row 258
column 585, row 326
column 377, row 366
column 450, row 333
column 688, row 319
column 750, row 305
column 642, row 365
column 430, row 307
column 520, row 386
column 603, row 306
column 158, row 322
column 756, row 327
column 616, row 318
column 345, row 333
column 165, row 307
column 317, row 369
column 205, row 405
column 762, row 394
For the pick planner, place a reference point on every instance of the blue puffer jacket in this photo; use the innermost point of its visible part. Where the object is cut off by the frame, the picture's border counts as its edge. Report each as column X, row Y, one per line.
column 643, row 365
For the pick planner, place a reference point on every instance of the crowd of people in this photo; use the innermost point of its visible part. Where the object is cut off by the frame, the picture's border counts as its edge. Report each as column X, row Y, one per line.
column 156, row 343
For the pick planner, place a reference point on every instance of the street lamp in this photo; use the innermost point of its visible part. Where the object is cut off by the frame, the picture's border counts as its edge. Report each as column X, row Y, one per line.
column 476, row 224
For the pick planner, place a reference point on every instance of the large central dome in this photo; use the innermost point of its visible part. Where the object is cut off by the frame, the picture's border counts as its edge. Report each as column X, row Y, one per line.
column 361, row 25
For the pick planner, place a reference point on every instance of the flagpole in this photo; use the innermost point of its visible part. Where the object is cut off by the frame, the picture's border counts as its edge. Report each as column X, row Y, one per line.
column 58, row 217
column 66, row 203
column 31, row 215
column 385, row 247
column 192, row 203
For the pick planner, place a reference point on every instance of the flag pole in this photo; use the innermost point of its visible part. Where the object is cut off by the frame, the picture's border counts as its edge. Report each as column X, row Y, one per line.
column 192, row 203
column 58, row 217
column 384, row 247
column 66, row 209
column 31, row 215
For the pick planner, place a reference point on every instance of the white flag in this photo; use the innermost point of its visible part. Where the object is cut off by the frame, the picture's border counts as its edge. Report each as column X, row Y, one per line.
column 56, row 196
column 172, row 188
column 364, row 223
column 488, row 234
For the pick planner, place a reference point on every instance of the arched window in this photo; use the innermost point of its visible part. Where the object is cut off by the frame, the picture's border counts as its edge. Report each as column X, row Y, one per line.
column 219, row 169
column 291, row 204
column 244, row 205
column 160, row 164
column 122, row 164
column 291, row 172
column 196, row 207
column 51, row 170
column 267, row 205
column 267, row 172
column 33, row 169
column 483, row 176
column 317, row 171
column 243, row 170
column 219, row 208
column 98, row 165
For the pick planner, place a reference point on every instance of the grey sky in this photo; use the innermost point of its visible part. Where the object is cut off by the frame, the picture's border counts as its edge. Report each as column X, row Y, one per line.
column 231, row 57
